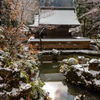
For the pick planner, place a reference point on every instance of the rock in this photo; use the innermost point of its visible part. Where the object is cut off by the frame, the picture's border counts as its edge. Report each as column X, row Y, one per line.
column 23, row 77
column 72, row 61
column 16, row 78
column 1, row 52
column 32, row 62
column 11, row 77
column 81, row 60
column 94, row 61
column 65, row 67
column 94, row 65
column 1, row 58
column 32, row 72
column 35, row 56
column 25, row 49
column 98, row 76
column 65, row 61
column 5, row 49
column 3, row 96
column 21, row 98
column 5, row 72
column 2, row 36
column 1, row 80
column 25, row 91
column 3, row 86
column 87, row 60
column 94, row 47
column 20, row 56
column 1, row 64
column 79, row 97
column 25, row 87
column 55, row 52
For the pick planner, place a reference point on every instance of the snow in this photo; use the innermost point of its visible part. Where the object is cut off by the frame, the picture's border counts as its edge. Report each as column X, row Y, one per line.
column 94, row 61
column 72, row 51
column 0, row 63
column 7, row 69
column 1, row 52
column 79, row 73
column 79, row 66
column 17, row 70
column 55, row 52
column 97, row 82
column 25, row 87
column 1, row 78
column 14, row 91
column 3, row 85
column 1, row 58
column 94, row 72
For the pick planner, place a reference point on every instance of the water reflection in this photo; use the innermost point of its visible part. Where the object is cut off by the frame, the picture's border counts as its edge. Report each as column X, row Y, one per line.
column 58, row 91
column 58, row 88
column 76, row 90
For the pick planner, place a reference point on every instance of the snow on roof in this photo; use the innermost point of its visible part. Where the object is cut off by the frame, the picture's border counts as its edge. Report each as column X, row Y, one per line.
column 56, row 17
column 37, row 40
column 59, row 17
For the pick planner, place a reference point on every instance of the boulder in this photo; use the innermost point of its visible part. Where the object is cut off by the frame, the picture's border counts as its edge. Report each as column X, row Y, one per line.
column 1, row 52
column 72, row 61
column 65, row 61
column 81, row 60
column 94, row 47
column 94, row 65
column 55, row 52
column 1, row 80
column 4, row 96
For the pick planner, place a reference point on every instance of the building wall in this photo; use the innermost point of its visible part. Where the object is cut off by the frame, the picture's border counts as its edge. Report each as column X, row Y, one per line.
column 62, row 45
column 59, row 32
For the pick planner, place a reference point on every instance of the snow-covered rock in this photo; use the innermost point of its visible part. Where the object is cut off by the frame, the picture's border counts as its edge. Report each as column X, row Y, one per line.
column 65, row 61
column 80, row 74
column 94, row 61
column 1, row 52
column 55, row 52
column 94, row 47
column 72, row 61
column 94, row 64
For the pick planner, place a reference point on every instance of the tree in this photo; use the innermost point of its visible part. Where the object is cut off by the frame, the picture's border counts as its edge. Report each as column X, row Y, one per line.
column 88, row 12
column 17, row 11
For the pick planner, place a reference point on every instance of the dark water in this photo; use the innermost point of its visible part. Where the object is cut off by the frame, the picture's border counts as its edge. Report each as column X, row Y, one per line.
column 56, row 85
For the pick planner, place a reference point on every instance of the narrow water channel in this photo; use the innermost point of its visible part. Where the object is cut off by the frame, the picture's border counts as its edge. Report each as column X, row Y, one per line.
column 56, row 85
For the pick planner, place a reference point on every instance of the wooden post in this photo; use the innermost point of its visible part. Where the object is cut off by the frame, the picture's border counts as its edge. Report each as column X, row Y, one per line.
column 84, row 27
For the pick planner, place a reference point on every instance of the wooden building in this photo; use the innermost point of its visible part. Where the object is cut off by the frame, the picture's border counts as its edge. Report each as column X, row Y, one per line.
column 62, row 44
column 55, row 24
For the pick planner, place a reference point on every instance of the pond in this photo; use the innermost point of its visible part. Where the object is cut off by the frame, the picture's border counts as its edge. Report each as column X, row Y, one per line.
column 55, row 83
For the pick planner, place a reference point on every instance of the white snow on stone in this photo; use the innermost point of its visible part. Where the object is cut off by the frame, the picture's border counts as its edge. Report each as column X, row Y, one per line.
column 22, row 99
column 7, row 69
column 72, row 61
column 15, row 69
column 94, row 72
column 3, row 85
column 1, row 93
column 79, row 66
column 0, row 63
column 79, row 73
column 94, row 61
column 14, row 91
column 97, row 82
column 25, row 87
column 65, row 67
column 1, row 78
column 65, row 61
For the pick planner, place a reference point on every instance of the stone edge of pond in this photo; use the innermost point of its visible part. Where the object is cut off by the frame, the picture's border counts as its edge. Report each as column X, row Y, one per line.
column 88, row 52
